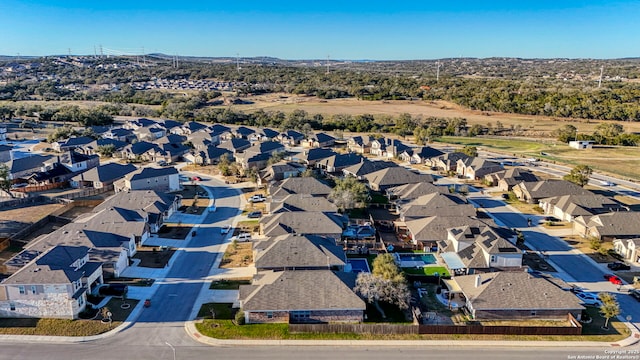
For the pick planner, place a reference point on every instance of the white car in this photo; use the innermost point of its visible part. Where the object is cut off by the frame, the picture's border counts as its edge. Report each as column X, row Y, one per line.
column 242, row 237
column 589, row 298
column 257, row 198
column 225, row 229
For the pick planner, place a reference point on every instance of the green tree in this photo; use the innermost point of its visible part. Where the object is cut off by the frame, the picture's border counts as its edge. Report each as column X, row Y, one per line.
column 579, row 175
column 349, row 193
column 385, row 283
column 5, row 182
column 566, row 133
column 470, row 151
column 106, row 150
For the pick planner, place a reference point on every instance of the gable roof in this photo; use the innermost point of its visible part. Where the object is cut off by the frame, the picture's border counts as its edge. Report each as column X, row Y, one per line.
column 589, row 204
column 301, row 222
column 412, row 191
column 340, row 161
column 27, row 163
column 435, row 227
column 361, row 140
column 410, row 212
column 396, row 176
column 296, row 135
column 549, row 188
column 149, row 173
column 296, row 251
column 316, row 154
column 322, row 137
column 619, row 223
column 269, row 133
column 509, row 290
column 264, row 147
column 367, row 167
column 244, row 131
column 301, row 290
column 106, row 173
column 299, row 185
column 303, row 202
column 193, row 126
column 235, row 144
column 427, row 152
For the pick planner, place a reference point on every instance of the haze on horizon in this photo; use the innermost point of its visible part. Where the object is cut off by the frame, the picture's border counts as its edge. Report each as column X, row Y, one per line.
column 354, row 30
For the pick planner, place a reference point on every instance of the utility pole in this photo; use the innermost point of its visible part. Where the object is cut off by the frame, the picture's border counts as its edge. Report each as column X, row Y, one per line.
column 238, row 62
column 438, row 70
column 101, row 52
column 600, row 79
column 327, row 64
column 69, row 49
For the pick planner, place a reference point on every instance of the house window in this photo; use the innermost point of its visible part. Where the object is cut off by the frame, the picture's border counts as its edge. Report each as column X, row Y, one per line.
column 300, row 315
column 270, row 315
column 12, row 306
column 22, row 290
column 533, row 313
column 493, row 258
column 34, row 290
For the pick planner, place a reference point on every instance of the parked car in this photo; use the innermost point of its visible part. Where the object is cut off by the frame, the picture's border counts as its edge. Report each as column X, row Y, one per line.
column 607, row 183
column 635, row 293
column 113, row 289
column 184, row 178
column 613, row 279
column 196, row 178
column 257, row 198
column 225, row 229
column 254, row 215
column 242, row 237
column 589, row 298
column 615, row 266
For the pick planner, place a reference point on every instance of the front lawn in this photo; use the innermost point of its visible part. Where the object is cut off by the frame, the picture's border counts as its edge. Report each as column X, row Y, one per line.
column 222, row 311
column 229, row 284
column 393, row 313
column 594, row 332
column 152, row 257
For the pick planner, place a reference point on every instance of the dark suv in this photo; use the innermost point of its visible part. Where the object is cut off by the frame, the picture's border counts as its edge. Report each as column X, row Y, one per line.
column 113, row 289
column 615, row 266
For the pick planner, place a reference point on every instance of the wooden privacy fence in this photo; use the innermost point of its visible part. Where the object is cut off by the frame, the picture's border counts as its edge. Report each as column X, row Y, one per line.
column 387, row 329
column 378, row 329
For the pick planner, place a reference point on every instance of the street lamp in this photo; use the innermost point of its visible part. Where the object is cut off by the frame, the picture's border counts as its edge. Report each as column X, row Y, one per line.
column 172, row 348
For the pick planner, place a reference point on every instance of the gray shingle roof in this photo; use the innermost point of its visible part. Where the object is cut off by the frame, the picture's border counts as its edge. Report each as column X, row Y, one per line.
column 550, row 188
column 107, row 172
column 303, row 202
column 27, row 163
column 301, row 222
column 434, row 228
column 367, row 167
column 150, row 173
column 302, row 290
column 515, row 291
column 395, row 176
column 620, row 223
column 299, row 185
column 293, row 251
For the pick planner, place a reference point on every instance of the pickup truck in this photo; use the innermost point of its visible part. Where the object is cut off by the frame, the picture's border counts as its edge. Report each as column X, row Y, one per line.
column 242, row 237
column 257, row 198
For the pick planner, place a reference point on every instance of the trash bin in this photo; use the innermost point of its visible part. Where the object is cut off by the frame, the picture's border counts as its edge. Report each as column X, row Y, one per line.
column 193, row 233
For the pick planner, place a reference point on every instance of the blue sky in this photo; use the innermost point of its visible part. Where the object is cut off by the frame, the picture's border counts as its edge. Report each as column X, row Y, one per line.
column 395, row 30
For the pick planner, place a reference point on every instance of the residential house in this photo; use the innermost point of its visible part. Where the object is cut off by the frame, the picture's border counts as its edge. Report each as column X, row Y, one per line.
column 304, row 296
column 74, row 161
column 71, row 143
column 53, row 285
column 22, row 168
column 301, row 202
column 298, row 185
column 509, row 295
column 137, row 150
column 201, row 140
column 609, row 226
column 243, row 132
column 629, row 249
column 428, row 231
column 148, row 178
column 533, row 192
column 219, row 132
column 505, row 180
column 138, row 123
column 304, row 223
column 419, row 155
column 319, row 140
column 339, row 162
column 383, row 179
column 5, row 153
column 167, row 152
column 447, row 162
column 470, row 249
column 169, row 125
column 408, row 192
column 102, row 176
column 150, row 133
column 93, row 147
column 569, row 207
column 476, row 168
column 120, row 134
column 367, row 166
column 235, row 145
column 388, row 148
column 291, row 137
column 3, row 132
column 280, row 171
column 581, row 144
column 210, row 156
column 298, row 252
column 360, row 144
column 311, row 157
column 188, row 128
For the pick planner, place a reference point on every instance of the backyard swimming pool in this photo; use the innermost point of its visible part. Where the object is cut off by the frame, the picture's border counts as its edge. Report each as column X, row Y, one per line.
column 358, row 265
column 425, row 258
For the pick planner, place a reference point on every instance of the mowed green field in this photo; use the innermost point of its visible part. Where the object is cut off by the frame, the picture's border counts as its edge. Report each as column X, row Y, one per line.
column 620, row 161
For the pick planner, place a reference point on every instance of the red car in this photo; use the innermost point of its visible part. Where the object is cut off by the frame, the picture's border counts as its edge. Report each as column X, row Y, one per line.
column 196, row 178
column 613, row 279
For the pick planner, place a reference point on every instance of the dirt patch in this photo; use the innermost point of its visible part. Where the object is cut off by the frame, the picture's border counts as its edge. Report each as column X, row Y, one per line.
column 154, row 257
column 584, row 246
column 237, row 255
column 28, row 214
column 536, row 262
column 176, row 232
column 251, row 226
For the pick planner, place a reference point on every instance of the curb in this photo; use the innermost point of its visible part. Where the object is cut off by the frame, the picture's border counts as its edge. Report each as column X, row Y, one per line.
column 193, row 333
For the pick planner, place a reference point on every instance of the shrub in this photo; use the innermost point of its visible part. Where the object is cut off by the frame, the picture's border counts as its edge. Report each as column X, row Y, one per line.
column 239, row 318
column 595, row 243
